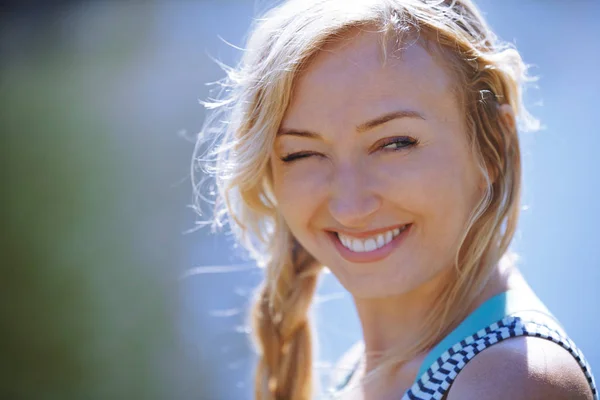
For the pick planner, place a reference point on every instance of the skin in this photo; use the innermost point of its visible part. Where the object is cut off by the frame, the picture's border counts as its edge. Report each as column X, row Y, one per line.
column 354, row 177
column 532, row 369
column 352, row 184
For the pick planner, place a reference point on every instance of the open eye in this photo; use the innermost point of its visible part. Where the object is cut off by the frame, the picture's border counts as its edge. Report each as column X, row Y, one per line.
column 398, row 143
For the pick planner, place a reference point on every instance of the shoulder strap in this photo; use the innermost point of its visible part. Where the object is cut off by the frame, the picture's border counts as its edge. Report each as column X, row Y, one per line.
column 492, row 310
column 436, row 380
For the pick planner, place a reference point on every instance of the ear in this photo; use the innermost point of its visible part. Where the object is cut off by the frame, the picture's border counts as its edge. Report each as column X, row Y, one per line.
column 507, row 115
column 507, row 118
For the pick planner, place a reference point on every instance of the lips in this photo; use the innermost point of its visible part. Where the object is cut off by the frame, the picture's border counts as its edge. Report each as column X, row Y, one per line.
column 369, row 248
column 374, row 242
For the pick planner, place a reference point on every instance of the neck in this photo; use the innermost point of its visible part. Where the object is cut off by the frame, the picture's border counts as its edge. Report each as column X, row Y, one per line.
column 396, row 322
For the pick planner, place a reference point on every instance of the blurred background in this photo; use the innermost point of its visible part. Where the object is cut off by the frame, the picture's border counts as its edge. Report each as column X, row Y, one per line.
column 109, row 292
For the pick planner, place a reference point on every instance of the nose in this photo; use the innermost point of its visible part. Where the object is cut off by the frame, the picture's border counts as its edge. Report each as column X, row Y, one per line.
column 352, row 199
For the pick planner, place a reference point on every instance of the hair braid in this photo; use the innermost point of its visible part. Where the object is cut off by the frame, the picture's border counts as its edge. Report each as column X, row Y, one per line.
column 280, row 322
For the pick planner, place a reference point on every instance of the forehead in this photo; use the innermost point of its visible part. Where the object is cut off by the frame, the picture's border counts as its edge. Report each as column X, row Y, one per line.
column 353, row 76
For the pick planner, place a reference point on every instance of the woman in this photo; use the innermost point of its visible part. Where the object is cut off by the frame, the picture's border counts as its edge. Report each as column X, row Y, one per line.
column 379, row 138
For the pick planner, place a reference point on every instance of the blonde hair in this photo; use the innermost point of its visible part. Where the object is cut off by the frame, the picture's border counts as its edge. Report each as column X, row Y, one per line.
column 242, row 128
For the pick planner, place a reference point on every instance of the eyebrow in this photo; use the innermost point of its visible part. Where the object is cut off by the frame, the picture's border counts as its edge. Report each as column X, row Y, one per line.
column 365, row 126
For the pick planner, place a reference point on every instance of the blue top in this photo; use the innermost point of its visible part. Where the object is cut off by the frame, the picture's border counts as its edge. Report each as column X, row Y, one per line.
column 492, row 310
column 506, row 315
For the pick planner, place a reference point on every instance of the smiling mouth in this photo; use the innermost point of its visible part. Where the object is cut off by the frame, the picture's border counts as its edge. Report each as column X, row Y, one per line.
column 371, row 243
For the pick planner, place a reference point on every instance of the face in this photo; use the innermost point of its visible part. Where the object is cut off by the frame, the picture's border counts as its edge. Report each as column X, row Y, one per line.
column 372, row 170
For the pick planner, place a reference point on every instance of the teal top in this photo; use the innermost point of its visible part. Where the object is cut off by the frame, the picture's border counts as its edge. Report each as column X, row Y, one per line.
column 492, row 310
column 506, row 315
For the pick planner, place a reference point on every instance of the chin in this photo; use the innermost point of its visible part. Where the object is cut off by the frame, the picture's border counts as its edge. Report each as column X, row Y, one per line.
column 377, row 285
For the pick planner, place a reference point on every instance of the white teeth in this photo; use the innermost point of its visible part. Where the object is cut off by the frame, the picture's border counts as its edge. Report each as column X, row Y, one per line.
column 344, row 241
column 358, row 246
column 389, row 236
column 371, row 243
column 380, row 241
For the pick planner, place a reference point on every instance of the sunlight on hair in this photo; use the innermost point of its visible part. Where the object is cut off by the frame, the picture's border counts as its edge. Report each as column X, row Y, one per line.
column 239, row 134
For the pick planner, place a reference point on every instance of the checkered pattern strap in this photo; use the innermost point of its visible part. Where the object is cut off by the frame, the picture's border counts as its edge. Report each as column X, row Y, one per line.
column 434, row 383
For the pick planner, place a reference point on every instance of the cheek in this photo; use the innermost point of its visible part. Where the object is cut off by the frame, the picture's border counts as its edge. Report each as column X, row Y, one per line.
column 299, row 187
column 437, row 186
column 452, row 191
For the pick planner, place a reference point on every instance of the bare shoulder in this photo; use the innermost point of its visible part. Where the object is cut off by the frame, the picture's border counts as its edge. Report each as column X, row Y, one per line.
column 522, row 368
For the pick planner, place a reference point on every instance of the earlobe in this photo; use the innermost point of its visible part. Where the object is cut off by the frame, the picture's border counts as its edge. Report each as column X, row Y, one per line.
column 507, row 115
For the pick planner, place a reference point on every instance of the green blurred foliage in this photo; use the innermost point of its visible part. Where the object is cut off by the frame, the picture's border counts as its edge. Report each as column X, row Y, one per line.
column 88, row 286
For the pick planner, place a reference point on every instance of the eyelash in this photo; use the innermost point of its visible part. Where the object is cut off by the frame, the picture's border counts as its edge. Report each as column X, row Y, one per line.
column 410, row 142
column 288, row 158
column 296, row 156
